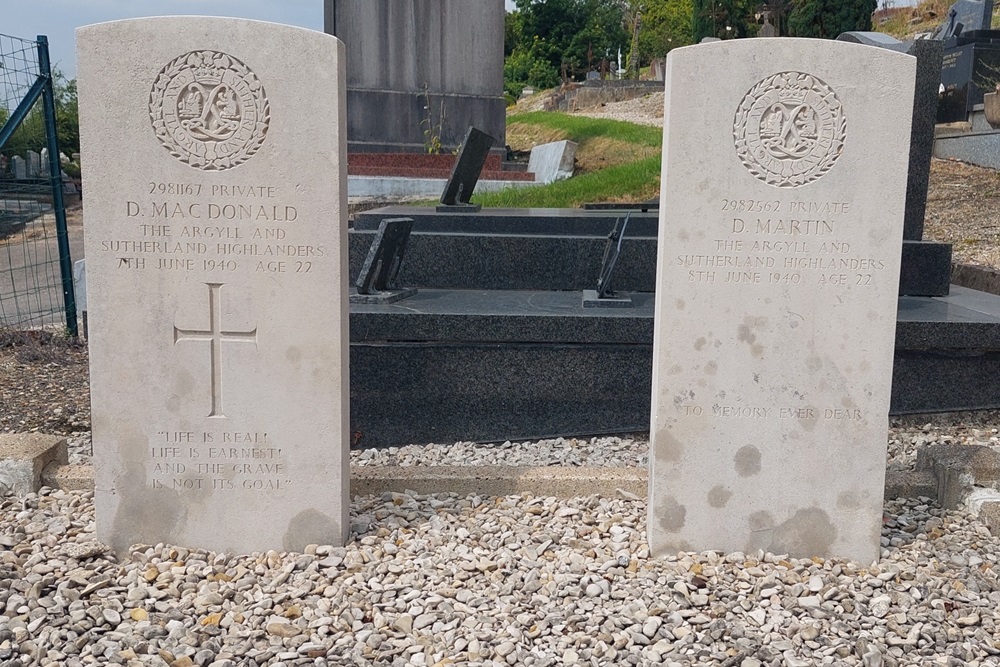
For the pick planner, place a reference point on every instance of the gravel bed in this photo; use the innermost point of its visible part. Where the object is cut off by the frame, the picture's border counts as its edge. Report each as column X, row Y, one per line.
column 442, row 579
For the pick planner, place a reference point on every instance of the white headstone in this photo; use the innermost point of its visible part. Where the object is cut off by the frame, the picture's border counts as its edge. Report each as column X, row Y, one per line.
column 34, row 164
column 216, row 250
column 777, row 279
column 43, row 165
column 553, row 161
column 19, row 167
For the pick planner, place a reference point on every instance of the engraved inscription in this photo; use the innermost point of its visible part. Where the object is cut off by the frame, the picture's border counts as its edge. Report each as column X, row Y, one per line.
column 789, row 129
column 209, row 110
column 216, row 336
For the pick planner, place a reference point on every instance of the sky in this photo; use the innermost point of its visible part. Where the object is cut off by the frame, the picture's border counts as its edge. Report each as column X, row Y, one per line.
column 57, row 19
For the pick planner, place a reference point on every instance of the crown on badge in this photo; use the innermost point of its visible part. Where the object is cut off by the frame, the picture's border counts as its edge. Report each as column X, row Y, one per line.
column 209, row 68
column 794, row 95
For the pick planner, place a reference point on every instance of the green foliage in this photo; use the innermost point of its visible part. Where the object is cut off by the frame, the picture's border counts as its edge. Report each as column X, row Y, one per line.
column 829, row 18
column 545, row 37
column 523, row 68
column 666, row 24
column 31, row 133
column 725, row 19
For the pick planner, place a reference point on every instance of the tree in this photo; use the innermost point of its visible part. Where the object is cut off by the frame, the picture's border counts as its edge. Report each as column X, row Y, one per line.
column 725, row 19
column 544, row 38
column 666, row 24
column 827, row 19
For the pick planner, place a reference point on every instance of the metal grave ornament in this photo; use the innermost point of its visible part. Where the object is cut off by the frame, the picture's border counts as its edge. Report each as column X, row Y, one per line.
column 789, row 129
column 209, row 110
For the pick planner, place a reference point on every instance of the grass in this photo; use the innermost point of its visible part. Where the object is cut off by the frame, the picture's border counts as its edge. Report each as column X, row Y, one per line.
column 616, row 161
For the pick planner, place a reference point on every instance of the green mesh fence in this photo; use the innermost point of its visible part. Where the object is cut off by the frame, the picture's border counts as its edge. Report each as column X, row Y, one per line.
column 36, row 285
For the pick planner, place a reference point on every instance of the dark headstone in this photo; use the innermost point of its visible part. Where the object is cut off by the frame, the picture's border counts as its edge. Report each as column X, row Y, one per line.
column 926, row 266
column 377, row 279
column 965, row 16
column 465, row 174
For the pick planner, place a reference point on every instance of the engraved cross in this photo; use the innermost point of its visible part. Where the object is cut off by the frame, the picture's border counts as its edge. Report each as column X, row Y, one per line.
column 215, row 335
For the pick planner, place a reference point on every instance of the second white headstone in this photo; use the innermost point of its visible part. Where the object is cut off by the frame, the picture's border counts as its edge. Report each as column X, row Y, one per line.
column 784, row 177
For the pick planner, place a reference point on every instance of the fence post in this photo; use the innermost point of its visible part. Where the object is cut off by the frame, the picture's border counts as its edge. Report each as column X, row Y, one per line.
column 55, row 176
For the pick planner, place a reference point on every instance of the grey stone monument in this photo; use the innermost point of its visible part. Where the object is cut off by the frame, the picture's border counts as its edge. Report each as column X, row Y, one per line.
column 19, row 167
column 34, row 164
column 416, row 66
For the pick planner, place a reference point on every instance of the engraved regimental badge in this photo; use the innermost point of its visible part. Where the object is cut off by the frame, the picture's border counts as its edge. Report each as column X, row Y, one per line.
column 209, row 110
column 789, row 129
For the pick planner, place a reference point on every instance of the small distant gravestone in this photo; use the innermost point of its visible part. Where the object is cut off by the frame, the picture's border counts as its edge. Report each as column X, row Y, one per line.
column 215, row 234
column 605, row 296
column 44, row 163
column 20, row 167
column 376, row 281
column 965, row 16
column 776, row 297
column 34, row 164
column 767, row 30
column 465, row 174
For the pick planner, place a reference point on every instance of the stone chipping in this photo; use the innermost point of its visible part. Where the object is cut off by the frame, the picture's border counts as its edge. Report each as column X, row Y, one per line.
column 448, row 580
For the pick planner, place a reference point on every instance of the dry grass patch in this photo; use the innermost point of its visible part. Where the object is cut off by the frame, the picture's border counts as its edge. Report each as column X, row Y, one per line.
column 525, row 136
column 603, row 152
column 963, row 208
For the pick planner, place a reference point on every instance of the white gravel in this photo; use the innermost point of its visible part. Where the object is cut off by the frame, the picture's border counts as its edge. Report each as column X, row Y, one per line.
column 441, row 579
column 449, row 580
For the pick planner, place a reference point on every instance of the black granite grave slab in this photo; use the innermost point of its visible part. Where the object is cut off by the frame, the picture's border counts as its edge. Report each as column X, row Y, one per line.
column 491, row 366
column 925, row 269
column 560, row 249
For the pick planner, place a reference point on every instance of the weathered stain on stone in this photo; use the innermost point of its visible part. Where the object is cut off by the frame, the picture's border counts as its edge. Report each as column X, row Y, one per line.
column 745, row 334
column 808, row 533
column 711, row 368
column 747, row 461
column 679, row 303
column 310, row 527
column 149, row 516
column 813, row 364
column 849, row 500
column 676, row 369
column 700, row 343
column 760, row 526
column 671, row 515
column 667, row 449
column 719, row 496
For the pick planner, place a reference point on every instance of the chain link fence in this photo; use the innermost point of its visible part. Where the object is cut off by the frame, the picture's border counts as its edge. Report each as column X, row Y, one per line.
column 36, row 272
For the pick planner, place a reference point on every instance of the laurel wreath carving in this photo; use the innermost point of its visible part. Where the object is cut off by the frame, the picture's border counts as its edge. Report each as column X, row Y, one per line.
column 261, row 106
column 790, row 180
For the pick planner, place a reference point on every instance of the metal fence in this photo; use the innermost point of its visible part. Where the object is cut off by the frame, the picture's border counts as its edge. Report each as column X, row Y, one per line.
column 36, row 271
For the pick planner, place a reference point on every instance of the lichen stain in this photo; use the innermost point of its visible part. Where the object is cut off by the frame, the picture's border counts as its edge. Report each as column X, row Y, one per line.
column 849, row 500
column 719, row 496
column 671, row 515
column 680, row 304
column 808, row 533
column 683, row 235
column 745, row 334
column 676, row 369
column 747, row 461
column 813, row 364
column 311, row 527
column 667, row 449
column 700, row 343
column 711, row 368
